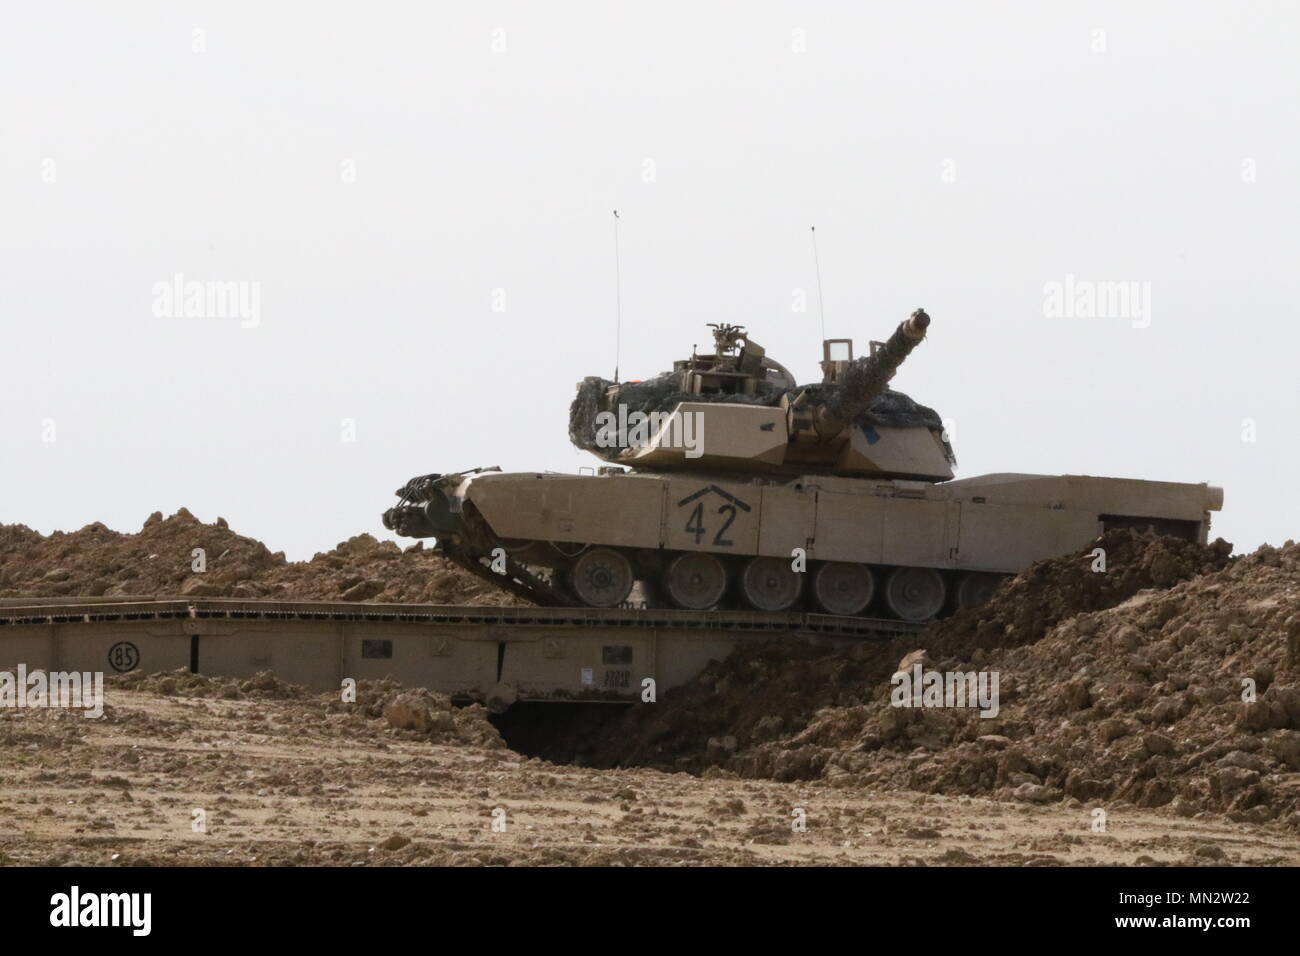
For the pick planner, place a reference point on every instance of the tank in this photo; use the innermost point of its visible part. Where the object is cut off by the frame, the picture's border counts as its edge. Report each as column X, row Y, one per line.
column 726, row 484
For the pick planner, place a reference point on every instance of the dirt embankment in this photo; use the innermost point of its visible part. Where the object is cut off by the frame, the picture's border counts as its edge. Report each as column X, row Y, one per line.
column 160, row 559
column 1125, row 685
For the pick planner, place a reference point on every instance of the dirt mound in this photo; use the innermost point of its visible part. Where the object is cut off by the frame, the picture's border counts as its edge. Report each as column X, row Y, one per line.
column 1168, row 683
column 423, row 712
column 380, row 705
column 161, row 559
column 766, row 692
column 181, row 683
column 1030, row 604
column 1188, row 697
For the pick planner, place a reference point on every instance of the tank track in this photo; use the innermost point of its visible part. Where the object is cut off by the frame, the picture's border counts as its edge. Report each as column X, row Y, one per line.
column 517, row 578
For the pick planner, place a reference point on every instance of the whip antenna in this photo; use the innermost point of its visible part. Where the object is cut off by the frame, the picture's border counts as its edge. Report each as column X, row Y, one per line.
column 618, row 300
column 821, row 306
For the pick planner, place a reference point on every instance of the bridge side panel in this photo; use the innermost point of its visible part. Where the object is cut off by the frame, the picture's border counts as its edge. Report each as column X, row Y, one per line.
column 320, row 654
column 110, row 648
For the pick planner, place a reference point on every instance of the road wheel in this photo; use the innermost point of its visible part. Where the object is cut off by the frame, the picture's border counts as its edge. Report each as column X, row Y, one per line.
column 915, row 594
column 843, row 588
column 976, row 587
column 601, row 577
column 695, row 581
column 770, row 584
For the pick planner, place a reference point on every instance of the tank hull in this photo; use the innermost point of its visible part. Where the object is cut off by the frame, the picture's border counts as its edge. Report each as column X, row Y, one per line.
column 999, row 523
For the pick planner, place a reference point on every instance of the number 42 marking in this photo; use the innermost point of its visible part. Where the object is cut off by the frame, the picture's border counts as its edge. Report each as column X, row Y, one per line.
column 730, row 507
column 695, row 525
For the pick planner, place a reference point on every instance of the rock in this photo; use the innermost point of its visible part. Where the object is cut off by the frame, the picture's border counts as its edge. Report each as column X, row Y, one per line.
column 1083, row 787
column 1035, row 793
column 1289, row 699
column 1156, row 793
column 1285, row 746
column 895, row 720
column 1240, row 758
column 418, row 712
column 1263, row 714
column 153, row 519
column 1113, row 729
column 196, row 586
column 358, row 544
column 1256, row 813
column 1165, row 569
column 1075, row 696
column 1157, row 744
column 221, row 522
column 264, row 680
column 1011, row 761
column 1128, row 638
column 1231, row 779
column 909, row 662
column 1170, row 710
column 363, row 590
column 395, row 842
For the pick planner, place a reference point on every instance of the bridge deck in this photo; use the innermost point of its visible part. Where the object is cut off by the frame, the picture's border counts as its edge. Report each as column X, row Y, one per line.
column 491, row 654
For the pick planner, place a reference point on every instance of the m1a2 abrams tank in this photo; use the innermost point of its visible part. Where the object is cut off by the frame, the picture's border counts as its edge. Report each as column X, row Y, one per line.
column 730, row 485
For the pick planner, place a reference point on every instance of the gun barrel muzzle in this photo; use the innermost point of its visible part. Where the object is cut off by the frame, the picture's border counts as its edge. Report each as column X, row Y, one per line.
column 916, row 324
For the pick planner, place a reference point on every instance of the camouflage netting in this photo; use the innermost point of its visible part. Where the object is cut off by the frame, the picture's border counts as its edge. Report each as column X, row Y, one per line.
column 890, row 409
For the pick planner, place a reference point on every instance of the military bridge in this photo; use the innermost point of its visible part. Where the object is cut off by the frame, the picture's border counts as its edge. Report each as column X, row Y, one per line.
column 494, row 655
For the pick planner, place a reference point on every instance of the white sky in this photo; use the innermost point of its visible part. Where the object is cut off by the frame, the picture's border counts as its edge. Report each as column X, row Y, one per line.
column 478, row 170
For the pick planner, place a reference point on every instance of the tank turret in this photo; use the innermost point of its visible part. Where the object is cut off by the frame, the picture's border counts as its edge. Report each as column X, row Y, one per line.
column 738, row 410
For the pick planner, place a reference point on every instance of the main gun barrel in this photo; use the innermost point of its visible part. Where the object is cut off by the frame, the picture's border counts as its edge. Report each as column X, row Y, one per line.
column 866, row 378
